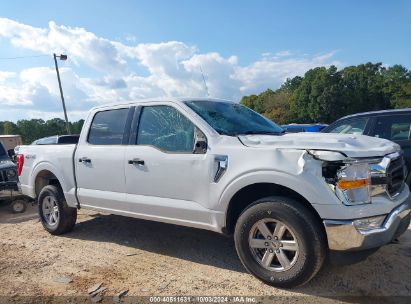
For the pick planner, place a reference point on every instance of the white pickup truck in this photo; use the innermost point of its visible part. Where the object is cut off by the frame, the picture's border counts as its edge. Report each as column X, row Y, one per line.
column 289, row 199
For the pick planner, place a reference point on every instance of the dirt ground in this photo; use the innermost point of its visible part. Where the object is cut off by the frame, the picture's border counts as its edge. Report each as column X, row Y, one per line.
column 149, row 258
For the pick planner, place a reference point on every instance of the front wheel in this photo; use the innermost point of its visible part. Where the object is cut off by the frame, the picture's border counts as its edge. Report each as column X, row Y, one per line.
column 280, row 241
column 55, row 215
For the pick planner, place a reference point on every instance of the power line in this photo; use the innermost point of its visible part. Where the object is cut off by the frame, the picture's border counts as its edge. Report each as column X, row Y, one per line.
column 23, row 57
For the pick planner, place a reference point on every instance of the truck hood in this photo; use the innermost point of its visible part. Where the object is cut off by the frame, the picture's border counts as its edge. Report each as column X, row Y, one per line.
column 350, row 145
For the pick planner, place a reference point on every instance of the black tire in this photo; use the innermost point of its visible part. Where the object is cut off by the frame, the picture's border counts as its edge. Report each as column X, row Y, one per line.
column 18, row 206
column 67, row 216
column 303, row 226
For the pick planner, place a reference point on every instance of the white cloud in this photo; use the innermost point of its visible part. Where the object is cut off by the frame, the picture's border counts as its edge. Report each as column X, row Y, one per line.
column 128, row 72
column 12, row 97
column 83, row 46
column 4, row 75
column 283, row 53
column 271, row 73
column 130, row 38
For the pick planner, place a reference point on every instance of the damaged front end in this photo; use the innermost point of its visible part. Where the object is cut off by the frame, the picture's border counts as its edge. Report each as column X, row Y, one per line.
column 356, row 180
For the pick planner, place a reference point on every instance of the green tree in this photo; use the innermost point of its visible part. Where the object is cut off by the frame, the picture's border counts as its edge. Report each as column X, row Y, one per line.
column 318, row 96
column 76, row 126
column 33, row 129
column 403, row 100
column 9, row 128
column 364, row 88
column 56, row 126
column 249, row 101
column 326, row 94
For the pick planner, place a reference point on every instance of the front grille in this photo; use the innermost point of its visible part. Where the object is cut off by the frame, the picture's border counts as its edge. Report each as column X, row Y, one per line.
column 395, row 176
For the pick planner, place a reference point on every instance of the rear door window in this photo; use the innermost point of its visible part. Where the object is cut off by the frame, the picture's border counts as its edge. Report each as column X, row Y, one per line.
column 396, row 127
column 108, row 127
column 350, row 126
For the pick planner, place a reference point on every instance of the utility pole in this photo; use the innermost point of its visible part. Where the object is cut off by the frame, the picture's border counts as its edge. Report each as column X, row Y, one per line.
column 62, row 57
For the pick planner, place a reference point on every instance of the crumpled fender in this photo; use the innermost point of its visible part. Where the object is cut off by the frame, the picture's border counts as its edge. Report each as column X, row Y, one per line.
column 305, row 178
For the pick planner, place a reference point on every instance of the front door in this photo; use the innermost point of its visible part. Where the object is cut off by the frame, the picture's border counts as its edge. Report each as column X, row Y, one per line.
column 164, row 178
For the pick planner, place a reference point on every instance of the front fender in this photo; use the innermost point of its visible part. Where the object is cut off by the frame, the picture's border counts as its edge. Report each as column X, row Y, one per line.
column 312, row 188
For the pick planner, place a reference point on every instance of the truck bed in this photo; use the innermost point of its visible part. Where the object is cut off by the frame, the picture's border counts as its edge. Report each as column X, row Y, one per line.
column 41, row 160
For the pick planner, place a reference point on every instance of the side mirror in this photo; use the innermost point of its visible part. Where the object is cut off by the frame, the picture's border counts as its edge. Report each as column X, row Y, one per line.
column 200, row 147
column 200, row 142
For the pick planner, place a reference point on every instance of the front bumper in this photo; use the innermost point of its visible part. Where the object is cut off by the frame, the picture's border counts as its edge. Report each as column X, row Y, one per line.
column 344, row 236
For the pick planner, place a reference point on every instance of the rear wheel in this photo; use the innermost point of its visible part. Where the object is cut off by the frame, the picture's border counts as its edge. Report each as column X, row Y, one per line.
column 280, row 242
column 55, row 215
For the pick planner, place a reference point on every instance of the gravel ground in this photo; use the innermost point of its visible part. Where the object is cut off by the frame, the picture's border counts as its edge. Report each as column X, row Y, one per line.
column 150, row 258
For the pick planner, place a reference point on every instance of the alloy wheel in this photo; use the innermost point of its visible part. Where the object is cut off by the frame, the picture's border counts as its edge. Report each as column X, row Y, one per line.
column 50, row 210
column 273, row 245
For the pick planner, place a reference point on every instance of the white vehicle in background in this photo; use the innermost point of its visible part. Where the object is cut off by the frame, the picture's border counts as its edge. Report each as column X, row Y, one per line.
column 289, row 199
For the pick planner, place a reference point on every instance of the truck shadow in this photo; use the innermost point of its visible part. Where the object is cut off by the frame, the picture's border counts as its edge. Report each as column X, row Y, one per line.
column 196, row 245
column 387, row 272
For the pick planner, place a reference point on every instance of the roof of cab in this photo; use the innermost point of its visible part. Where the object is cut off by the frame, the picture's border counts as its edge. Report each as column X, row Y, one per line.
column 160, row 99
column 378, row 113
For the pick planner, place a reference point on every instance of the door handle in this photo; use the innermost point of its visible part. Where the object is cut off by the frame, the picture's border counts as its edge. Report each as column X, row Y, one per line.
column 136, row 161
column 84, row 160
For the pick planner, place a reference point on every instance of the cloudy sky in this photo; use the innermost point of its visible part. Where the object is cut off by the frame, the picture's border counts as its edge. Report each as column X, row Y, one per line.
column 126, row 50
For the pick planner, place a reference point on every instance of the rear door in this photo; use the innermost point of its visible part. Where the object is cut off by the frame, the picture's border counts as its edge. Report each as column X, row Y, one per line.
column 99, row 159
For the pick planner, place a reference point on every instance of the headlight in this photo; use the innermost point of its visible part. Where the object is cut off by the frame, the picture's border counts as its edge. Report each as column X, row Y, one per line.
column 355, row 181
column 11, row 174
column 347, row 177
column 353, row 184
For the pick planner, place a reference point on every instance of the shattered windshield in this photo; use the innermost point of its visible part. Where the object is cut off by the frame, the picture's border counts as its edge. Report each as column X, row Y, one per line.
column 233, row 119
